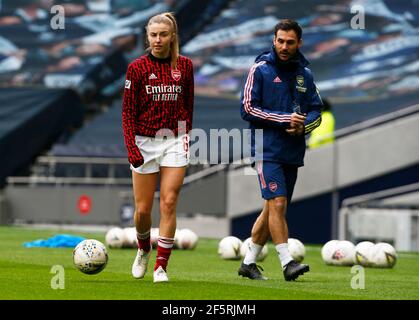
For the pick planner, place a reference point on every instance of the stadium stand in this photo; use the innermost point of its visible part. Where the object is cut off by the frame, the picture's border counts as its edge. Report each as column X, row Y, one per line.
column 31, row 119
column 364, row 72
column 203, row 11
column 84, row 55
column 359, row 88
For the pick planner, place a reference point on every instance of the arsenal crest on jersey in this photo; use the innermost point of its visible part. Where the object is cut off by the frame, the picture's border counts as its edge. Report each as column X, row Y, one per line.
column 176, row 75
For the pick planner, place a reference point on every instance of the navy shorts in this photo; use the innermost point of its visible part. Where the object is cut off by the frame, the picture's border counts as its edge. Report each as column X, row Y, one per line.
column 276, row 179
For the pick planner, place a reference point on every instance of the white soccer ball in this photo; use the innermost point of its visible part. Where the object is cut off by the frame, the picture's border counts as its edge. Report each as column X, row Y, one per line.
column 327, row 251
column 90, row 256
column 114, row 238
column 296, row 249
column 363, row 253
column 154, row 236
column 187, row 239
column 383, row 255
column 246, row 246
column 130, row 238
column 344, row 254
column 339, row 253
column 229, row 248
column 176, row 237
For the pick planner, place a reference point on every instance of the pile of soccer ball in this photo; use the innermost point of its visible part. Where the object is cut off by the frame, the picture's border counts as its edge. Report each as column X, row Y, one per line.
column 127, row 238
column 365, row 253
column 232, row 248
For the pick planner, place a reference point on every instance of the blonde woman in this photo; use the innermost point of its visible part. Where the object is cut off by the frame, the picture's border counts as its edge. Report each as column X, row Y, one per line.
column 156, row 117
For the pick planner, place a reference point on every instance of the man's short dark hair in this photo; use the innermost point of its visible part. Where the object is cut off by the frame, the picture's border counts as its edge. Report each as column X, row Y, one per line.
column 287, row 25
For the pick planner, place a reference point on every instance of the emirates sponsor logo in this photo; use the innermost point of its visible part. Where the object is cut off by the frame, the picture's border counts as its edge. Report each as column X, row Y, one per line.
column 163, row 89
column 163, row 92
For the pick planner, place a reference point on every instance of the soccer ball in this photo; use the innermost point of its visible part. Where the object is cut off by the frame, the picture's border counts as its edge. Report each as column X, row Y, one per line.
column 328, row 250
column 339, row 253
column 90, row 256
column 114, row 238
column 187, row 239
column 130, row 238
column 383, row 255
column 154, row 236
column 246, row 246
column 296, row 249
column 363, row 253
column 344, row 254
column 176, row 237
column 229, row 248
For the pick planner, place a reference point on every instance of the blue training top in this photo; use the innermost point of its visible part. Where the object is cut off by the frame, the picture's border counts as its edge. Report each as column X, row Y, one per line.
column 273, row 91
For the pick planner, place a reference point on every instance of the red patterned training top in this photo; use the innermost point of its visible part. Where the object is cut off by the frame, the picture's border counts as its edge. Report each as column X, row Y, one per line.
column 156, row 97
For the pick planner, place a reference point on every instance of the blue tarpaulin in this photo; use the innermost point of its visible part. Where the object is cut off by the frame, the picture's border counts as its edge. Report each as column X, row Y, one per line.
column 57, row 241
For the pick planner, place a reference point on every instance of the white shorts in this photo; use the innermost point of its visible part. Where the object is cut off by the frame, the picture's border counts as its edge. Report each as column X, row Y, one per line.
column 162, row 152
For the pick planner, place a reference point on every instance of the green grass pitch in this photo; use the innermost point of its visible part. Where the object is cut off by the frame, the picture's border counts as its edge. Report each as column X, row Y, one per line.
column 25, row 273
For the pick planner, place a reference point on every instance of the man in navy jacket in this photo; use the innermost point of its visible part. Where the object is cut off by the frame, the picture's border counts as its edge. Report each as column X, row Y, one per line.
column 280, row 98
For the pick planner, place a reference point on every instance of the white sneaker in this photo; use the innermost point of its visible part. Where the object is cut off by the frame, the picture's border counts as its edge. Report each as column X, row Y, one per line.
column 139, row 267
column 160, row 275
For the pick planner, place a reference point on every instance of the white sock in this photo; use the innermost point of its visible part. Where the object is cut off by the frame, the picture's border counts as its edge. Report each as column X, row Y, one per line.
column 252, row 252
column 283, row 253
